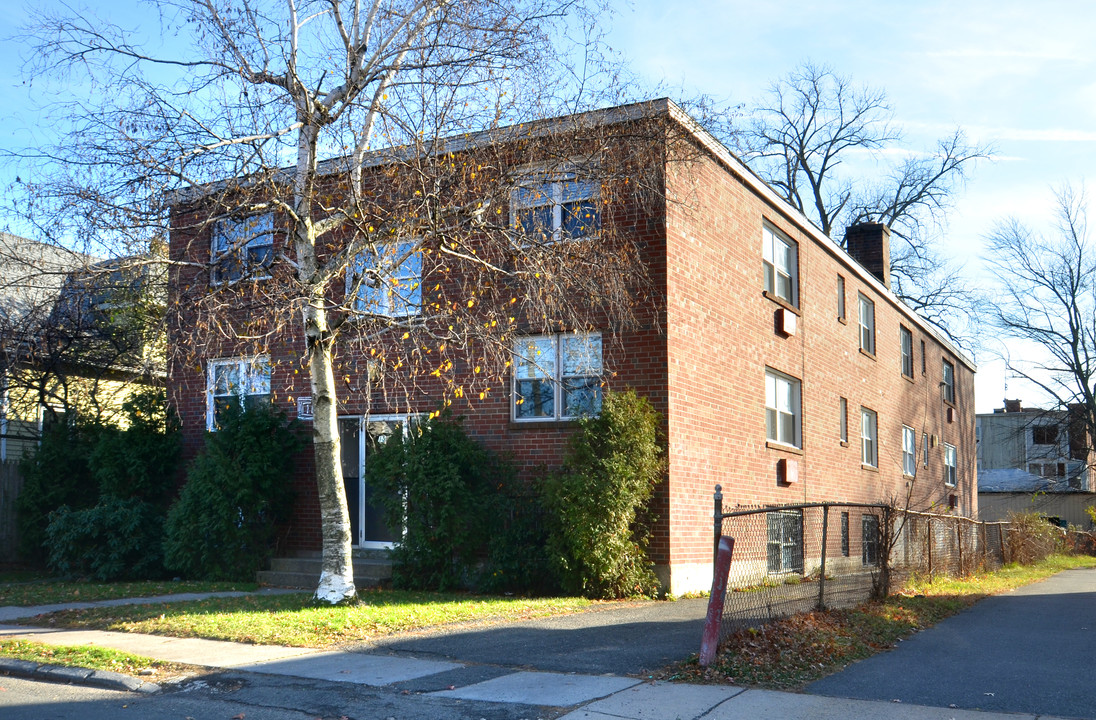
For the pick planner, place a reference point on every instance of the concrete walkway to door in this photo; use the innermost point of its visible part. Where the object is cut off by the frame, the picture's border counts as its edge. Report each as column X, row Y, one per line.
column 1028, row 651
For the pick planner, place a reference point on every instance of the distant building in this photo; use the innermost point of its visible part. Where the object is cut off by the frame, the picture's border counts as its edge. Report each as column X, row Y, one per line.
column 1033, row 459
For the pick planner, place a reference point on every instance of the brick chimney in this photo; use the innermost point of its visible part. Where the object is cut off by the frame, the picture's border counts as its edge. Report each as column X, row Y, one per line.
column 1013, row 406
column 869, row 245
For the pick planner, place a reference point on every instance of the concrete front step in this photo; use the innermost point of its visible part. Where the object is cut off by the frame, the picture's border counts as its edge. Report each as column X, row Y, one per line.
column 371, row 568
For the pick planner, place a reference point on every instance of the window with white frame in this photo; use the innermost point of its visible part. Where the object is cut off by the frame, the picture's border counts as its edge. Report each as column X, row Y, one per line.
column 557, row 377
column 869, row 539
column 925, row 449
column 781, row 265
column 949, row 382
column 867, row 325
column 909, row 451
column 843, row 411
column 555, row 207
column 235, row 382
column 869, row 438
column 906, row 340
column 782, row 408
column 950, row 462
column 785, row 541
column 1044, row 435
column 387, row 280
column 242, row 247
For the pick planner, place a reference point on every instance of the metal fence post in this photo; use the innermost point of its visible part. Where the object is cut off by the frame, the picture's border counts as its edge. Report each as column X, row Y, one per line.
column 928, row 540
column 822, row 570
column 713, row 623
column 717, row 521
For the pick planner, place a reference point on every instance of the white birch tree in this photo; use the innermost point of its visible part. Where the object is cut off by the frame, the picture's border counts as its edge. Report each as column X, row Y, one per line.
column 287, row 107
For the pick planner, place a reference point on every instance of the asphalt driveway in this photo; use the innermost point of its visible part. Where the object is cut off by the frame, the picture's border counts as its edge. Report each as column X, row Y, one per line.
column 620, row 640
column 1032, row 650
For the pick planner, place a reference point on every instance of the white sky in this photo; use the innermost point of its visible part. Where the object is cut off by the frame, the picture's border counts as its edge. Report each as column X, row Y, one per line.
column 1015, row 73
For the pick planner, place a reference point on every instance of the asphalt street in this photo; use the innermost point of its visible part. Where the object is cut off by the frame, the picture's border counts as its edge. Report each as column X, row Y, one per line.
column 1030, row 650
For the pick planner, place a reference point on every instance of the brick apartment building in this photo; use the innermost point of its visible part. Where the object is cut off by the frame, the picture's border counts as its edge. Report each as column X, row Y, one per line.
column 785, row 369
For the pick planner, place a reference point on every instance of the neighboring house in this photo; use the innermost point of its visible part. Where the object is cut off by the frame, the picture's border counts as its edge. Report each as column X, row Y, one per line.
column 74, row 336
column 785, row 369
column 1034, row 460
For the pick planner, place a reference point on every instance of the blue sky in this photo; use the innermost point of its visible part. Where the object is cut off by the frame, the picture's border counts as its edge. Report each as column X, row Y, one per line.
column 1017, row 74
column 1014, row 73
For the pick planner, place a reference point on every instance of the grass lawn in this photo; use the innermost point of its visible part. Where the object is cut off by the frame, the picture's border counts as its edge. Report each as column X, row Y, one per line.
column 295, row 620
column 95, row 658
column 790, row 653
column 47, row 591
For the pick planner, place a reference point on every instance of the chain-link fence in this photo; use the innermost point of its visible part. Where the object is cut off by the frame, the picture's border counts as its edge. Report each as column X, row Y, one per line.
column 794, row 558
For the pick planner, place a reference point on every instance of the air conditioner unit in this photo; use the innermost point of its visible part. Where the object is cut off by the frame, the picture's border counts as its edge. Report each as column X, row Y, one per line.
column 786, row 320
column 787, row 470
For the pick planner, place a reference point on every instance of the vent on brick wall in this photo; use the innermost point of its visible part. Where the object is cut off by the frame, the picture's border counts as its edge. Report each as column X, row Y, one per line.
column 787, row 470
column 953, row 501
column 786, row 321
column 951, row 414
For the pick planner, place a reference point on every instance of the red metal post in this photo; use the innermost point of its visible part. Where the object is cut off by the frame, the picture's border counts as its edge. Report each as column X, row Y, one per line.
column 709, row 644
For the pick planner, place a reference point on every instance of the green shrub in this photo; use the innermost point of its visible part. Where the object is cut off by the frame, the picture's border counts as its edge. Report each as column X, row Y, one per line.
column 222, row 527
column 598, row 501
column 440, row 486
column 140, row 461
column 58, row 474
column 517, row 553
column 118, row 539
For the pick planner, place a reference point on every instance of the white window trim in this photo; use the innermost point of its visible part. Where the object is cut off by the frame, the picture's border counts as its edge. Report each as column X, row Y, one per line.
column 843, row 408
column 216, row 255
column 869, row 437
column 356, row 287
column 866, row 323
column 241, row 363
column 906, row 353
column 770, row 238
column 772, row 406
column 946, row 387
column 909, row 451
column 557, row 377
column 555, row 181
column 951, row 470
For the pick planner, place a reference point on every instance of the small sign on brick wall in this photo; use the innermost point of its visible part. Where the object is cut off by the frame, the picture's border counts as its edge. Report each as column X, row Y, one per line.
column 304, row 408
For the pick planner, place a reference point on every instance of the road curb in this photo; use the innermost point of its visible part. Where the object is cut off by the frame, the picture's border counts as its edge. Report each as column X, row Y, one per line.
column 76, row 675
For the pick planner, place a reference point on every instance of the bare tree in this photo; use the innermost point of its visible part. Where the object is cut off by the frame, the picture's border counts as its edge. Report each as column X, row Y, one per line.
column 326, row 146
column 1046, row 298
column 812, row 123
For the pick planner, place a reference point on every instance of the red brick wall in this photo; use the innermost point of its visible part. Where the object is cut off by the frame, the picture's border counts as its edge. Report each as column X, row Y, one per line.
column 722, row 336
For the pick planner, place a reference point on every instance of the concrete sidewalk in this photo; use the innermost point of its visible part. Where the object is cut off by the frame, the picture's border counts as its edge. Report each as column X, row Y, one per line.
column 580, row 696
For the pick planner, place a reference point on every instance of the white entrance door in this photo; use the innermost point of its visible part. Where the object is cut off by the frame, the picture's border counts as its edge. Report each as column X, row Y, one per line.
column 359, row 436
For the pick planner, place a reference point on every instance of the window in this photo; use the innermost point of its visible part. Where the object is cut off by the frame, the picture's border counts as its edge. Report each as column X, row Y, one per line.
column 906, row 338
column 241, row 382
column 1044, row 435
column 949, row 383
column 844, row 534
column 909, row 451
column 387, row 280
column 554, row 208
column 869, row 445
column 924, row 360
column 785, row 541
column 841, row 298
column 950, row 474
column 925, row 449
column 782, row 408
column 780, row 262
column 867, row 325
column 1047, row 470
column 241, row 246
column 869, row 539
column 844, row 419
column 557, row 377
